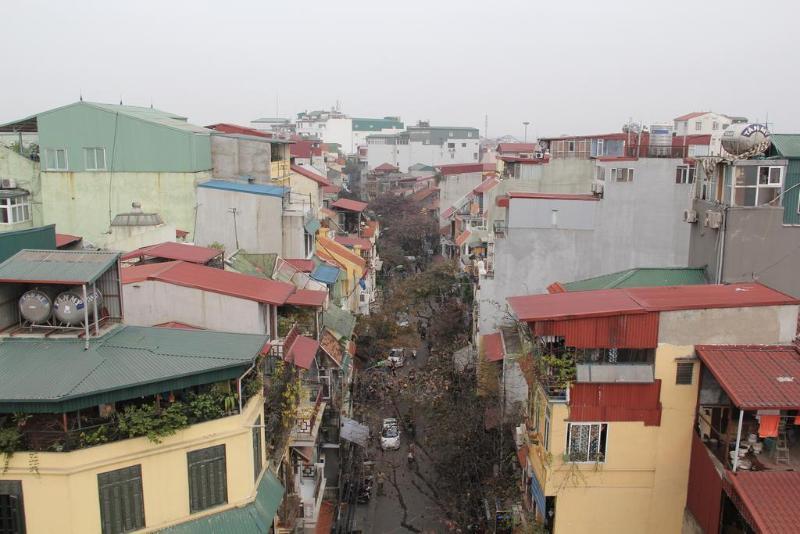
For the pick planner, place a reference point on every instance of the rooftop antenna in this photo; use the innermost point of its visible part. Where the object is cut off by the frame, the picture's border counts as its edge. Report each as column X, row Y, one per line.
column 151, row 102
column 80, row 95
column 120, row 100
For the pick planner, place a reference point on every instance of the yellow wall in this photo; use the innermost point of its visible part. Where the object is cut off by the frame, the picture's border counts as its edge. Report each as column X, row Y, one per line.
column 641, row 487
column 63, row 496
column 305, row 187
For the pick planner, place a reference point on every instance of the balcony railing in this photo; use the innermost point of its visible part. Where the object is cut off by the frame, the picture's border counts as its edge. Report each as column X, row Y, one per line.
column 656, row 151
column 309, row 415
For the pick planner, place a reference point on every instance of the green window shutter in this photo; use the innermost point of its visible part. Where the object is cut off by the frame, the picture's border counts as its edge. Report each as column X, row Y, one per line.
column 12, row 513
column 258, row 462
column 208, row 485
column 121, row 500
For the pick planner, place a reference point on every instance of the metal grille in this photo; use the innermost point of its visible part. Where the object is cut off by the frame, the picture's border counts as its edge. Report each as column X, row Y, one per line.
column 121, row 500
column 586, row 443
column 12, row 515
column 684, row 373
column 258, row 462
column 208, row 485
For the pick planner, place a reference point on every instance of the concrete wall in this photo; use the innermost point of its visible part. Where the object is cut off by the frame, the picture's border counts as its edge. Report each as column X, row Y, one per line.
column 84, row 203
column 26, row 173
column 127, row 238
column 293, row 236
column 151, row 302
column 563, row 214
column 454, row 186
column 758, row 246
column 258, row 221
column 233, row 157
column 761, row 325
column 557, row 176
column 405, row 155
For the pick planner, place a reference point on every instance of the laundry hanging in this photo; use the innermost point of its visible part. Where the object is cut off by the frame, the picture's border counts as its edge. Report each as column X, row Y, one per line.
column 768, row 426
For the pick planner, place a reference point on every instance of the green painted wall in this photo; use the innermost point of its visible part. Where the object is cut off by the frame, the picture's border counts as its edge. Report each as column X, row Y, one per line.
column 792, row 188
column 26, row 173
column 132, row 144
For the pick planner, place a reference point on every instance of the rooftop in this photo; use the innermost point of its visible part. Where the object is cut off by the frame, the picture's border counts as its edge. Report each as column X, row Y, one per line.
column 65, row 240
column 245, row 187
column 627, row 301
column 639, row 277
column 349, row 205
column 770, row 499
column 301, row 351
column 311, row 174
column 53, row 375
column 340, row 322
column 461, row 168
column 517, row 147
column 486, row 185
column 493, row 347
column 56, row 266
column 175, row 251
column 353, row 241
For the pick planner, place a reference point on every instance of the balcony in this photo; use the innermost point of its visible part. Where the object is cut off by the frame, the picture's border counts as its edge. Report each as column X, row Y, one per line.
column 309, row 416
column 310, row 485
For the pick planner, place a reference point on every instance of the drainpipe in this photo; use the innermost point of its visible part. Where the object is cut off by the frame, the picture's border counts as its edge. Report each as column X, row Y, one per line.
column 85, row 319
column 738, row 441
column 721, row 257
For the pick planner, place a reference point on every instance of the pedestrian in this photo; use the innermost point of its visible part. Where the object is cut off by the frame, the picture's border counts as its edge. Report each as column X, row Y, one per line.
column 380, row 483
column 410, row 454
column 413, row 354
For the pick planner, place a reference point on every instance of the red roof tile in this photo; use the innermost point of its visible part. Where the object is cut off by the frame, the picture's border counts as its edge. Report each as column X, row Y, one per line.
column 305, row 148
column 302, row 351
column 175, row 251
column 63, row 240
column 493, row 347
column 552, row 196
column 770, row 498
column 210, row 279
column 307, row 297
column 349, row 205
column 304, row 266
column 353, row 241
column 462, row 237
column 386, row 167
column 313, row 175
column 486, row 185
column 422, row 194
column 756, row 377
column 691, row 115
column 461, row 168
column 627, row 301
column 236, row 129
column 516, row 148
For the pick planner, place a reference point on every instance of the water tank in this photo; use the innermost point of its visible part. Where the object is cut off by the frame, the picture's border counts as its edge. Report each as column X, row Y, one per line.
column 660, row 139
column 36, row 305
column 69, row 305
column 744, row 137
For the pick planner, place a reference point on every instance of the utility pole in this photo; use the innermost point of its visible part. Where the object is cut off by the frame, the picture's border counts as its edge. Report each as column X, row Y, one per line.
column 235, row 230
column 486, row 126
column 526, row 123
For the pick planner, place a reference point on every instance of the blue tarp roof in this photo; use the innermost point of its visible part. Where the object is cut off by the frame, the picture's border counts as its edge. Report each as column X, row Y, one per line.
column 327, row 274
column 245, row 187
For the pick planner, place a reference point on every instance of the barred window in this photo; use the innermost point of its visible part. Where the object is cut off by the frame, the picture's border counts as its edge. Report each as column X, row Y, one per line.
column 586, row 442
column 684, row 373
column 208, row 485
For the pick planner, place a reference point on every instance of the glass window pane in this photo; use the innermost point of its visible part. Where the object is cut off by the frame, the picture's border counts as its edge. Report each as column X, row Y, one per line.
column 745, row 196
column 763, row 175
column 767, row 194
column 61, row 159
column 775, row 175
column 4, row 215
column 100, row 157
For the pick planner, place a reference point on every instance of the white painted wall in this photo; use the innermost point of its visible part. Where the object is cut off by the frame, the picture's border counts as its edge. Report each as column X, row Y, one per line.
column 403, row 156
column 453, row 187
column 150, row 302
column 707, row 123
column 333, row 130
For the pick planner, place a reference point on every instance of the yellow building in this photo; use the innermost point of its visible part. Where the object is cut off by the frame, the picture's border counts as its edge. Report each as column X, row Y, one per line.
column 613, row 394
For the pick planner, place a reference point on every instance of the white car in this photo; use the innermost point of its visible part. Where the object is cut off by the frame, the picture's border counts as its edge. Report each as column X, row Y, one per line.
column 397, row 358
column 390, row 435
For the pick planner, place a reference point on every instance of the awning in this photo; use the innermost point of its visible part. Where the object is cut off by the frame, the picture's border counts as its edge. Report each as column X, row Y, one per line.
column 302, row 351
column 493, row 348
column 256, row 516
column 327, row 274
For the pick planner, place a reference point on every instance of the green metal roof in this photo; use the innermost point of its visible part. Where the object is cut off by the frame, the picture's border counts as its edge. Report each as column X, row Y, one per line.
column 339, row 321
column 375, row 125
column 787, row 145
column 52, row 375
column 43, row 237
column 260, row 265
column 56, row 266
column 256, row 516
column 641, row 277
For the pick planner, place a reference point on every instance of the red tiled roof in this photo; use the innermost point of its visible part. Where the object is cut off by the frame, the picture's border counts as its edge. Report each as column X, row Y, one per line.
column 386, row 167
column 304, row 266
column 308, row 173
column 63, row 240
column 461, row 168
column 328, row 248
column 353, row 241
column 301, row 352
column 307, row 297
column 552, row 196
column 178, row 325
column 756, row 377
column 462, row 237
column 331, row 189
column 175, row 251
column 305, row 148
column 210, row 279
column 770, row 498
column 691, row 115
column 516, row 148
column 493, row 347
column 628, row 301
column 422, row 194
column 349, row 205
column 486, row 185
column 225, row 127
column 448, row 212
column 370, row 229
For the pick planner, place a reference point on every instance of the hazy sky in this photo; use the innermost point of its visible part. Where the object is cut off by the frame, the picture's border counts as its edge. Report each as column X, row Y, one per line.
column 582, row 66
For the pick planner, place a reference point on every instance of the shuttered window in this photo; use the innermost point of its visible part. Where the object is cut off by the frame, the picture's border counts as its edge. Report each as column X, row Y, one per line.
column 684, row 373
column 12, row 515
column 208, row 485
column 121, row 500
column 258, row 463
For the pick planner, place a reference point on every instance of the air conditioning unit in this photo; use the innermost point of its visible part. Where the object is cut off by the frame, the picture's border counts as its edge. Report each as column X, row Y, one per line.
column 597, row 187
column 689, row 216
column 713, row 219
column 8, row 183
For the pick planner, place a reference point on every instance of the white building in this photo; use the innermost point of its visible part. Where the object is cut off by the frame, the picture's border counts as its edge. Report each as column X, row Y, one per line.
column 347, row 132
column 426, row 144
column 705, row 123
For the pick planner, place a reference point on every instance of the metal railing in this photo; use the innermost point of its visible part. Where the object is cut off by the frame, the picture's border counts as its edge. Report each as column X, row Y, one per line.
column 656, row 151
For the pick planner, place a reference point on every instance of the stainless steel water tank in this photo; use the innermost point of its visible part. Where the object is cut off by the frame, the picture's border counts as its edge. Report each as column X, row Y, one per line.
column 69, row 305
column 36, row 305
column 743, row 137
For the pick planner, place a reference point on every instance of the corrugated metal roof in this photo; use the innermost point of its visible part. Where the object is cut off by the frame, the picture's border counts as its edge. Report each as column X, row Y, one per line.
column 256, row 516
column 175, row 251
column 787, row 145
column 641, row 277
column 607, row 302
column 339, row 321
column 302, row 351
column 463, row 168
column 64, row 240
column 261, row 265
column 493, row 347
column 311, row 174
column 771, row 499
column 327, row 274
column 245, row 187
column 57, row 266
column 349, row 205
column 41, row 238
column 616, row 402
column 307, row 297
column 486, row 185
column 332, row 347
column 516, row 148
column 210, row 279
column 51, row 375
column 756, row 377
column 552, row 196
column 635, row 331
column 353, row 241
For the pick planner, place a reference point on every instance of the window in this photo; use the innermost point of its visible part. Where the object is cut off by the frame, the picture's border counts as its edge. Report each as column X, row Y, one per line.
column 755, row 186
column 15, row 209
column 684, row 373
column 622, row 175
column 451, row 145
column 546, row 433
column 95, row 159
column 463, row 145
column 469, row 134
column 698, row 125
column 121, row 500
column 56, row 159
column 452, row 155
column 208, row 484
column 586, row 442
column 684, row 174
column 450, row 134
column 258, row 455
column 308, row 245
column 715, row 125
column 475, row 156
column 570, row 146
column 600, row 173
column 12, row 514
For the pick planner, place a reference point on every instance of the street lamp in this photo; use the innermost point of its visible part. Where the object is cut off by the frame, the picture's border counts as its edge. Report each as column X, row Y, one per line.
column 526, row 123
